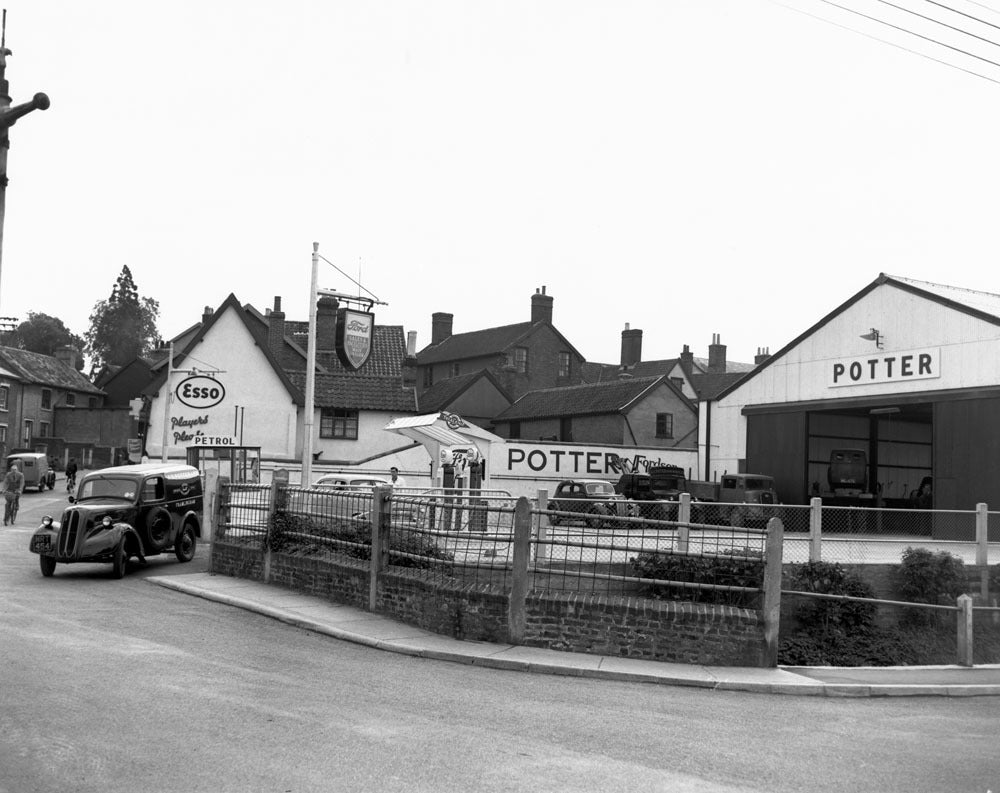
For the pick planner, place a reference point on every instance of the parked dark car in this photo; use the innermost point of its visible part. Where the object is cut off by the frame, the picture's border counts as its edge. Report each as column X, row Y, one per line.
column 593, row 499
column 125, row 511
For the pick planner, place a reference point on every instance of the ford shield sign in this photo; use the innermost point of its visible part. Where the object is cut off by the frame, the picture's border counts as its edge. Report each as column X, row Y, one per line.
column 354, row 337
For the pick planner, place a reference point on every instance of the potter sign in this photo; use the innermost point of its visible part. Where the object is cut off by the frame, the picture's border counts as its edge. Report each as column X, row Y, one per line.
column 886, row 367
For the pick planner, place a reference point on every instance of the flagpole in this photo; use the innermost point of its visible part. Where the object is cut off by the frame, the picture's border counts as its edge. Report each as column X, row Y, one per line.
column 308, row 419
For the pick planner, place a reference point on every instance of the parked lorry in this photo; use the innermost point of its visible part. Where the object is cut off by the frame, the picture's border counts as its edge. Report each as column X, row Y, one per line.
column 736, row 499
column 848, row 472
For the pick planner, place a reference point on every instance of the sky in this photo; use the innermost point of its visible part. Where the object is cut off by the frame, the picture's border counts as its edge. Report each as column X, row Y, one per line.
column 687, row 167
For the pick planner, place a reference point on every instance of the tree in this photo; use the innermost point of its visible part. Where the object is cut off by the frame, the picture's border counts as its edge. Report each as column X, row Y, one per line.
column 122, row 327
column 42, row 333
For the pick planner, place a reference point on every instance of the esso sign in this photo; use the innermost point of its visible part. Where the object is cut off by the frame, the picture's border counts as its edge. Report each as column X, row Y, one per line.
column 200, row 391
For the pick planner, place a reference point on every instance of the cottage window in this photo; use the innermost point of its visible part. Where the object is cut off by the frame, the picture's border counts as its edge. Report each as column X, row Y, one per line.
column 515, row 430
column 518, row 359
column 664, row 425
column 564, row 365
column 71, row 400
column 29, row 431
column 338, row 423
column 3, row 433
column 566, row 429
column 43, row 429
column 46, row 399
column 428, row 377
column 4, row 396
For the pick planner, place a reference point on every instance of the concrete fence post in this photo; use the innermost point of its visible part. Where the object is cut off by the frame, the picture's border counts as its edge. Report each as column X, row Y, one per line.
column 982, row 550
column 380, row 541
column 269, row 536
column 683, row 519
column 815, row 530
column 772, row 590
column 965, row 624
column 542, row 548
column 219, row 505
column 516, row 606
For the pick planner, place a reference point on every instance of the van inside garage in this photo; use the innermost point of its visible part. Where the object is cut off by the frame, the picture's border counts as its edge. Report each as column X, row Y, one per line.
column 953, row 438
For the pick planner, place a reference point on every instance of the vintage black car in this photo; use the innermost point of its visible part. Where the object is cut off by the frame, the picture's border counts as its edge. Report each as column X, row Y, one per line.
column 593, row 500
column 125, row 511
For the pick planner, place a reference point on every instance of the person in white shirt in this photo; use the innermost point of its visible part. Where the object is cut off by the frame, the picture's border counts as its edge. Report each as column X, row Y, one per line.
column 397, row 480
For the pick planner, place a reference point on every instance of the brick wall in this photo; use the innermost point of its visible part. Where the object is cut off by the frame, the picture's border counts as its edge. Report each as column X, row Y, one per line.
column 656, row 630
column 344, row 582
column 239, row 561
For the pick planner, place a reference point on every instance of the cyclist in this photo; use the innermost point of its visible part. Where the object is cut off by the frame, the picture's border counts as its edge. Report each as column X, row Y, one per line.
column 71, row 474
column 13, row 486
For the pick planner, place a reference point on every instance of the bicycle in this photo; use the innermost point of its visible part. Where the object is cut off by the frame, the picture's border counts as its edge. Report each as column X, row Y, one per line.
column 70, row 482
column 12, row 501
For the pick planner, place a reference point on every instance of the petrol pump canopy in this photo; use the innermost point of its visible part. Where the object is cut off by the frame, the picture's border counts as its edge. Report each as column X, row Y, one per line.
column 443, row 429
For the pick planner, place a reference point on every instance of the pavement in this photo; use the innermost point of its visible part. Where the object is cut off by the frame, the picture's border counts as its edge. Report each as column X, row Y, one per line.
column 348, row 623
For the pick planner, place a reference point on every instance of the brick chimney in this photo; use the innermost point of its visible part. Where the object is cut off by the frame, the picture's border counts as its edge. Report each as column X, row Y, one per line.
column 206, row 315
column 440, row 326
column 717, row 355
column 410, row 361
column 69, row 356
column 631, row 346
column 541, row 306
column 687, row 357
column 326, row 324
column 276, row 327
column 763, row 354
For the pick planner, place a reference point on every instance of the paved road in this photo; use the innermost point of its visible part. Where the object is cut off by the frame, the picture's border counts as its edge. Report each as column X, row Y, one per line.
column 118, row 686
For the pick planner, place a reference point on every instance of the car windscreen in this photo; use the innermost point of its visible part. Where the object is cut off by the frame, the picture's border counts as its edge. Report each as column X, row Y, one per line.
column 108, row 487
column 599, row 489
column 758, row 484
column 667, row 483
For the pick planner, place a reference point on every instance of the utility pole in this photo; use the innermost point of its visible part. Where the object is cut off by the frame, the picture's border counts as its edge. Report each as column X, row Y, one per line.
column 8, row 115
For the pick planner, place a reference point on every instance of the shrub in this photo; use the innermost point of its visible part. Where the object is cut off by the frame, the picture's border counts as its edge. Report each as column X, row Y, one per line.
column 926, row 576
column 729, row 569
column 820, row 616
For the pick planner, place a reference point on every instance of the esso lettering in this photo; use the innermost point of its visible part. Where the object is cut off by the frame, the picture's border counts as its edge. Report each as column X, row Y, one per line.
column 200, row 391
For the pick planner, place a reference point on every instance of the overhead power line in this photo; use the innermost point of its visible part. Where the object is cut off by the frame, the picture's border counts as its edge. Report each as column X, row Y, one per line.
column 939, row 22
column 967, row 16
column 897, row 45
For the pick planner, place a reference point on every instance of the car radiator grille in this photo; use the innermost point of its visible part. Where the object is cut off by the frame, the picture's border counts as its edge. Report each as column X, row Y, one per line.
column 69, row 532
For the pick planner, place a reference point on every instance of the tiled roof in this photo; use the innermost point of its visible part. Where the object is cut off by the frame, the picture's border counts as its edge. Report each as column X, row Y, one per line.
column 475, row 344
column 386, row 359
column 34, row 367
column 709, row 385
column 440, row 395
column 355, row 392
column 579, row 400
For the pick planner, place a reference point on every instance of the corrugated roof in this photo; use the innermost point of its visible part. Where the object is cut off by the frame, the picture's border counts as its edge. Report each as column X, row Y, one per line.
column 580, row 400
column 34, row 367
column 987, row 302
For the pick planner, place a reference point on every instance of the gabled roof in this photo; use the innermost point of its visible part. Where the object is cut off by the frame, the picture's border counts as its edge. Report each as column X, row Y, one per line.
column 708, row 385
column 33, row 367
column 582, row 400
column 378, row 385
column 443, row 393
column 256, row 332
column 981, row 305
column 481, row 343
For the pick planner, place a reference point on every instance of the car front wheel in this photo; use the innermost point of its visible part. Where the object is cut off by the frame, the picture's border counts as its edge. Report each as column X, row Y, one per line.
column 48, row 565
column 186, row 543
column 120, row 560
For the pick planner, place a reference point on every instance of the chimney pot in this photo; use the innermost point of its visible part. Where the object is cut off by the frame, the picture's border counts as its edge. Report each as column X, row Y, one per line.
column 441, row 324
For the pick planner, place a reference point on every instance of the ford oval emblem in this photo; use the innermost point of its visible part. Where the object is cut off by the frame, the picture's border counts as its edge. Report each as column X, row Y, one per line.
column 200, row 391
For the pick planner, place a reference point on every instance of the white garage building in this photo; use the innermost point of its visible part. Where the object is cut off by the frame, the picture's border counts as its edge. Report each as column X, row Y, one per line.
column 908, row 371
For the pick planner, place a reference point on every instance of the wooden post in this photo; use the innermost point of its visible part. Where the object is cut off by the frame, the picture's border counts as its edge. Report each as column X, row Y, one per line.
column 964, row 630
column 542, row 548
column 683, row 519
column 380, row 541
column 516, row 617
column 815, row 529
column 771, row 610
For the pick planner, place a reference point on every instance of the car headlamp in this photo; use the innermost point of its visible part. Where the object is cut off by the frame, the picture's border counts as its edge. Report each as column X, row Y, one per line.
column 47, row 521
column 106, row 521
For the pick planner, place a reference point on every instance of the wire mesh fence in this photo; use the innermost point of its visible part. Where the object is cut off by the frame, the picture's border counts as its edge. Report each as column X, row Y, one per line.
column 631, row 552
column 244, row 514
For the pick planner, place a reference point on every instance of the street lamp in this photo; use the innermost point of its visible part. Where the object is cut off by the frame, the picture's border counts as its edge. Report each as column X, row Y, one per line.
column 9, row 115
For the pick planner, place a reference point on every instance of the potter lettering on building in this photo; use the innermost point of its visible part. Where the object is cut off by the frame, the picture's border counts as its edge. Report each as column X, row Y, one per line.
column 886, row 367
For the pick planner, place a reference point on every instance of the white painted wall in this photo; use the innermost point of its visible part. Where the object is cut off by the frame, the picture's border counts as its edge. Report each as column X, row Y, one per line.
column 268, row 414
column 964, row 350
